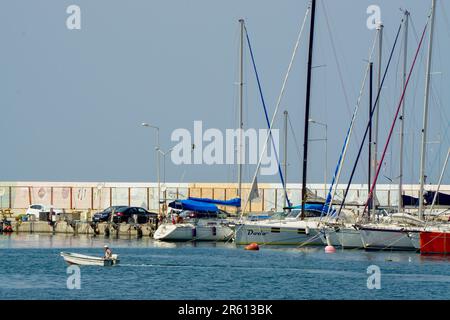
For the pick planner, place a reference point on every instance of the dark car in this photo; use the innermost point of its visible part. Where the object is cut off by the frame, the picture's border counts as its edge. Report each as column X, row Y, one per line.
column 105, row 214
column 133, row 215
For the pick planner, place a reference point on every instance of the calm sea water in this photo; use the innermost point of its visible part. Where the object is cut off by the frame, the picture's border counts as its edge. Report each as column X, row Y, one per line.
column 31, row 268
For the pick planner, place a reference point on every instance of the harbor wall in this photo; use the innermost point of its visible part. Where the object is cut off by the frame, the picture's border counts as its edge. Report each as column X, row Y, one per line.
column 88, row 196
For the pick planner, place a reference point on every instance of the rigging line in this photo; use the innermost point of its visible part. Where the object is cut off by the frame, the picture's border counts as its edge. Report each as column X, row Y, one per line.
column 267, row 117
column 395, row 118
column 445, row 19
column 295, row 138
column 341, row 79
column 443, row 136
column 279, row 99
column 337, row 173
column 371, row 114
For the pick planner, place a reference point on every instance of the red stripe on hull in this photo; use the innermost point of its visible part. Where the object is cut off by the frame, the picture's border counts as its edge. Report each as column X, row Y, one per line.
column 435, row 242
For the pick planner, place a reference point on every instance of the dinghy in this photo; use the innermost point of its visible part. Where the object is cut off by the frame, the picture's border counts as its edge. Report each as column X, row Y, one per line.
column 81, row 259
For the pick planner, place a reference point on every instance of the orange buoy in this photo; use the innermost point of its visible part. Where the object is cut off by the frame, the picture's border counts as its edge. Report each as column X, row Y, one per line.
column 252, row 246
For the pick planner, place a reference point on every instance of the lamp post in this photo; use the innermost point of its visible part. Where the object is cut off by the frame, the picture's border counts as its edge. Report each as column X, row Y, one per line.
column 164, row 170
column 326, row 149
column 157, row 148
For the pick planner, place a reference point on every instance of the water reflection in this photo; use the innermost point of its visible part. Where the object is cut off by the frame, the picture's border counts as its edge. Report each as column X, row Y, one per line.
column 47, row 240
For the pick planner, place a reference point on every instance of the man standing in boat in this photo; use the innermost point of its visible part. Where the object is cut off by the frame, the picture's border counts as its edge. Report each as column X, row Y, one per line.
column 108, row 253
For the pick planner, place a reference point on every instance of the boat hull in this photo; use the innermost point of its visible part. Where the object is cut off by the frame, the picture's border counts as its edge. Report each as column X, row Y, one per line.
column 80, row 259
column 415, row 239
column 345, row 237
column 435, row 242
column 386, row 239
column 192, row 232
column 277, row 234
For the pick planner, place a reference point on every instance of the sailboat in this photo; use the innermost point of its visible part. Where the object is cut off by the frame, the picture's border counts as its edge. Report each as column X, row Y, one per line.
column 197, row 219
column 434, row 238
column 283, row 228
column 346, row 234
column 342, row 233
column 396, row 234
column 299, row 225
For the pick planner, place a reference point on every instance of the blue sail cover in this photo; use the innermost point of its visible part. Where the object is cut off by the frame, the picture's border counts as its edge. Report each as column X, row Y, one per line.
column 442, row 199
column 410, row 201
column 315, row 207
column 236, row 202
column 193, row 205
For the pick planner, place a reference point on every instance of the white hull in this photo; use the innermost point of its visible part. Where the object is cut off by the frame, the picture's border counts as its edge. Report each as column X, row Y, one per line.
column 415, row 239
column 278, row 233
column 386, row 238
column 81, row 259
column 208, row 231
column 342, row 236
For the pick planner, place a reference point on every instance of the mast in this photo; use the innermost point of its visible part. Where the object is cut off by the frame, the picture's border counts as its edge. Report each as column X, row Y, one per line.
column 370, row 131
column 402, row 116
column 285, row 155
column 377, row 114
column 307, row 104
column 241, row 102
column 425, row 110
column 440, row 180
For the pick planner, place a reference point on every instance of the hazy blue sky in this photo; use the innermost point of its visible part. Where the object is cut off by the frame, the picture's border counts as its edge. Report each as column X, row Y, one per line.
column 71, row 101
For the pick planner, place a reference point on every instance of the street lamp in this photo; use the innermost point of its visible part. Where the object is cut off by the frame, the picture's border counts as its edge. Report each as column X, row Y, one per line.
column 146, row 125
column 164, row 170
column 326, row 148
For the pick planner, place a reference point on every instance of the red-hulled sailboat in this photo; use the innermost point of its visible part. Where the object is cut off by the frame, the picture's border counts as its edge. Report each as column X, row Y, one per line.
column 435, row 242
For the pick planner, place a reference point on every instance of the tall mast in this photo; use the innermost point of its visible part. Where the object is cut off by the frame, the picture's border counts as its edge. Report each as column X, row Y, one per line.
column 241, row 102
column 425, row 110
column 440, row 180
column 377, row 114
column 307, row 104
column 402, row 116
column 285, row 154
column 370, row 132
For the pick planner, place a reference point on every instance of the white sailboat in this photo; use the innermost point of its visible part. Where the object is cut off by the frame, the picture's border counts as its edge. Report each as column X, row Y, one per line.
column 343, row 232
column 281, row 232
column 201, row 230
column 344, row 235
column 282, row 229
column 296, row 228
column 396, row 235
column 196, row 225
column 197, row 219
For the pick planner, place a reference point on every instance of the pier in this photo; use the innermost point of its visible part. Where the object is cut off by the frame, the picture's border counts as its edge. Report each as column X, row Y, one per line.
column 84, row 227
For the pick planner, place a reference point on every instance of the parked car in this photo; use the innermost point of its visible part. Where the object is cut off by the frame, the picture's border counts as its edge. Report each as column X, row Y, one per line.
column 36, row 210
column 105, row 215
column 133, row 215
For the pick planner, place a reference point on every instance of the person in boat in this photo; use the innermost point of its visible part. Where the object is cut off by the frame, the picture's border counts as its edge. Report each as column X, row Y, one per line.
column 108, row 253
column 179, row 219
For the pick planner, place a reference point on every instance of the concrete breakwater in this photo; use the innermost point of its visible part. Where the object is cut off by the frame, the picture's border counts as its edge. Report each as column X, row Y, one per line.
column 84, row 227
column 85, row 196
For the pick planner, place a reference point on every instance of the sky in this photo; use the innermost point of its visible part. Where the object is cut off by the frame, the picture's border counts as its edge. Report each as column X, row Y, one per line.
column 72, row 101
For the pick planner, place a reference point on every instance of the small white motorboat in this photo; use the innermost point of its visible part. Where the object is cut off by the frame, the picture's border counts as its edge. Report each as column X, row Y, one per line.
column 81, row 259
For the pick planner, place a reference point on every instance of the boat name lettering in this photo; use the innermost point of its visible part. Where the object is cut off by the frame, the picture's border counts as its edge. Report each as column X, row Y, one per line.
column 256, row 233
